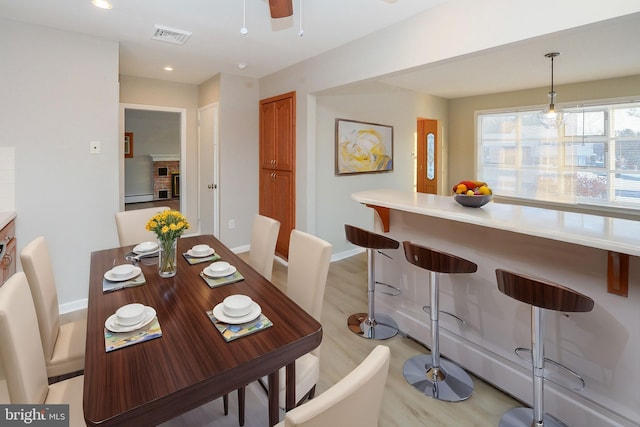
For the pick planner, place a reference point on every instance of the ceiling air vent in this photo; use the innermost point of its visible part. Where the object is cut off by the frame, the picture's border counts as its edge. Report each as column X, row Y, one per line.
column 171, row 35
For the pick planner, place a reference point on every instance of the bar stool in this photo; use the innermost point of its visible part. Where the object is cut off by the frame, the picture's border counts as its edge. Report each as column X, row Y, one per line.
column 369, row 325
column 433, row 376
column 540, row 295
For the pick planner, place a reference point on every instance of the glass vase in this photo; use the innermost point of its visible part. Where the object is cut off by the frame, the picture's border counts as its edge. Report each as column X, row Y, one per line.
column 168, row 262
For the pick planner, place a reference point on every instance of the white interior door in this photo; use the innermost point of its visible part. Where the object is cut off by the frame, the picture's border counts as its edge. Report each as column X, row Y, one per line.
column 208, row 200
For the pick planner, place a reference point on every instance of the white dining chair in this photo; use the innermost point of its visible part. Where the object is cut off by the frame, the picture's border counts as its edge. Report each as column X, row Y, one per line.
column 22, row 355
column 309, row 259
column 63, row 343
column 264, row 236
column 353, row 401
column 131, row 225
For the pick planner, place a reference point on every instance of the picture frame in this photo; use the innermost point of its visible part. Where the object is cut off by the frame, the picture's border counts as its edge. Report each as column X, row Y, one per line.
column 363, row 147
column 128, row 144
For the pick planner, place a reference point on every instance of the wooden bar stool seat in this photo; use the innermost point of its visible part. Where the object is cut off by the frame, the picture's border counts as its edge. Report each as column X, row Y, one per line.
column 370, row 325
column 433, row 376
column 541, row 295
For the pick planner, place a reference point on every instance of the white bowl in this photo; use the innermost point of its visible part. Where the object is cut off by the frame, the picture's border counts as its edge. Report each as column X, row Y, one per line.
column 236, row 305
column 130, row 314
column 200, row 250
column 123, row 270
column 218, row 267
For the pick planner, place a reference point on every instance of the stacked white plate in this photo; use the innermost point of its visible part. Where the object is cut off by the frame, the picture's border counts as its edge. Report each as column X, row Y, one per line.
column 146, row 248
column 219, row 269
column 201, row 251
column 130, row 317
column 237, row 309
column 122, row 272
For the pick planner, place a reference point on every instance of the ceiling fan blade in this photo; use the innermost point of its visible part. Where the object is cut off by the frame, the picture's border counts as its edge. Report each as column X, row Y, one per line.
column 281, row 8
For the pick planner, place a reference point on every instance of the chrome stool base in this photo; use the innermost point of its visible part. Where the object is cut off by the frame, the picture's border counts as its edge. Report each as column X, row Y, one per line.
column 523, row 417
column 454, row 385
column 381, row 328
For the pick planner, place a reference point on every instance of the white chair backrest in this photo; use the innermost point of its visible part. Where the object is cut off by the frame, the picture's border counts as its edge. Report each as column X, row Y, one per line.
column 36, row 264
column 21, row 350
column 353, row 401
column 131, row 225
column 309, row 258
column 264, row 236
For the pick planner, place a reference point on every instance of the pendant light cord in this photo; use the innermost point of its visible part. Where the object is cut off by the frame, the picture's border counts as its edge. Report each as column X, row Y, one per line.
column 301, row 32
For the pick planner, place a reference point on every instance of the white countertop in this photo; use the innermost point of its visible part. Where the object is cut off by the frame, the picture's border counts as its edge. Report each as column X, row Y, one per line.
column 6, row 217
column 611, row 234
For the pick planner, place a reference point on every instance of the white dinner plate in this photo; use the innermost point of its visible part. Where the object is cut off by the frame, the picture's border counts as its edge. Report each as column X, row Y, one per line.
column 209, row 253
column 228, row 272
column 145, row 248
column 218, row 313
column 110, row 277
column 112, row 321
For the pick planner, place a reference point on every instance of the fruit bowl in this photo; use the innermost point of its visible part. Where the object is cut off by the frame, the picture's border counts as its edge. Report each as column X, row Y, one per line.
column 475, row 201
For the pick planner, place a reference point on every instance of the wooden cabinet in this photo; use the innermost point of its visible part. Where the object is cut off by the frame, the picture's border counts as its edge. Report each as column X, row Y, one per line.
column 277, row 133
column 277, row 165
column 8, row 250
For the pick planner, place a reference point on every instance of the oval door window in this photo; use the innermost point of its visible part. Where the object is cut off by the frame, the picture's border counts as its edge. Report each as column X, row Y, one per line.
column 431, row 145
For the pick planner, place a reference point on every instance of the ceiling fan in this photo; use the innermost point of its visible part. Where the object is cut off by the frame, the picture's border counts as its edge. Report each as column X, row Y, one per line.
column 281, row 8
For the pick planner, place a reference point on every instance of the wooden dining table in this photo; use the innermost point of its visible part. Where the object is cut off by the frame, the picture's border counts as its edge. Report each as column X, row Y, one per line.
column 191, row 363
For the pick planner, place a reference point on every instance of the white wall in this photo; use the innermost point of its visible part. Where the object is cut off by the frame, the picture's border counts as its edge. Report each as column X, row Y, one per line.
column 381, row 104
column 59, row 93
column 239, row 157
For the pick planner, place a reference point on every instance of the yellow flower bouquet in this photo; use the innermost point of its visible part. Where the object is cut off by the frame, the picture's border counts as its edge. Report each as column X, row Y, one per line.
column 168, row 226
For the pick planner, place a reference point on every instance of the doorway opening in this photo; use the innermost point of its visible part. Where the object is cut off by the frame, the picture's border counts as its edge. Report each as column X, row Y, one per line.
column 147, row 169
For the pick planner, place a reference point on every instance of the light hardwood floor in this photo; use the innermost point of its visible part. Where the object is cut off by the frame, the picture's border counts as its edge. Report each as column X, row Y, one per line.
column 342, row 350
column 403, row 406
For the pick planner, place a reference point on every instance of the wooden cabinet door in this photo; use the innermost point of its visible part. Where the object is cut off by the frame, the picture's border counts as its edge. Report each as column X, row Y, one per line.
column 277, row 190
column 277, row 132
column 277, row 165
column 9, row 261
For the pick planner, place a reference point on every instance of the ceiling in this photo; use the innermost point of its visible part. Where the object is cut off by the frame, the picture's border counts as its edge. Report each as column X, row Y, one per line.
column 603, row 50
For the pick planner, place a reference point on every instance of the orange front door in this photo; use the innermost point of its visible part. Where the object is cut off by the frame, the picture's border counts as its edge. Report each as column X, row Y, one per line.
column 427, row 179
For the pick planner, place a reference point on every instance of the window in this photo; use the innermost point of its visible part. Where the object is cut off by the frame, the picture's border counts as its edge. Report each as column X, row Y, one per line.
column 592, row 158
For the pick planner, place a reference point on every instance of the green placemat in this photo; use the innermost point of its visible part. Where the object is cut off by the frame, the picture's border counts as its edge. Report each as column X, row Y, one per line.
column 195, row 260
column 232, row 332
column 116, row 340
column 214, row 282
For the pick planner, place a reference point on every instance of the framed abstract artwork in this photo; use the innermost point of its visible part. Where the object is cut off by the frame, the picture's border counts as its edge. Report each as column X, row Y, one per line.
column 363, row 147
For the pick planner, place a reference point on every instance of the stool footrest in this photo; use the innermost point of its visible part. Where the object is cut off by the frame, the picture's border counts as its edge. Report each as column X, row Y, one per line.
column 427, row 309
column 525, row 354
column 397, row 291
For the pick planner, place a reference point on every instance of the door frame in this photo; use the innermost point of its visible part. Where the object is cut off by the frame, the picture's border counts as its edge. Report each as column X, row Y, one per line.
column 216, row 169
column 183, row 147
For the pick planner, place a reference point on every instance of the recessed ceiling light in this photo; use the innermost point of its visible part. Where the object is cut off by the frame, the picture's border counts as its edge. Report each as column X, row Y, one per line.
column 168, row 68
column 242, row 66
column 102, row 4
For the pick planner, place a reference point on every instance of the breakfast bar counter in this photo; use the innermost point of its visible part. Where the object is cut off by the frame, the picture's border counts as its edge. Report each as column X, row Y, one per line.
column 595, row 255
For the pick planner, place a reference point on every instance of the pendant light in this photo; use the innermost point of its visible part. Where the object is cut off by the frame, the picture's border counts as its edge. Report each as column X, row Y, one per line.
column 244, row 29
column 551, row 117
